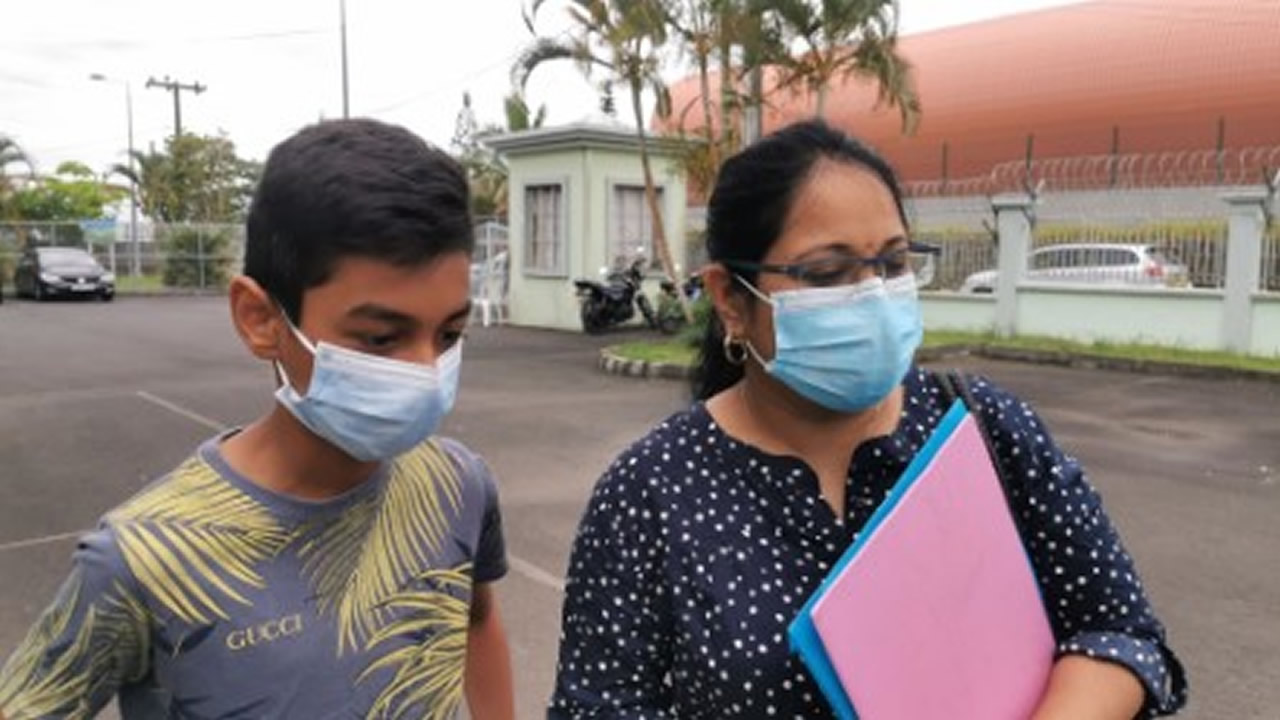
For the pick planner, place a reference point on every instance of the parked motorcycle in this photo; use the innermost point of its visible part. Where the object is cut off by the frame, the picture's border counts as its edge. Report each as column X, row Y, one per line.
column 613, row 302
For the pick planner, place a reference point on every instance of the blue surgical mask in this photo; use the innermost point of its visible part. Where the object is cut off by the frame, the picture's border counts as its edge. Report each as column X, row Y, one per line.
column 845, row 348
column 370, row 407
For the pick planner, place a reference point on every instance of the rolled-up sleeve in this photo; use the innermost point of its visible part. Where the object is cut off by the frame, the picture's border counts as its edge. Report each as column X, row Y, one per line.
column 1094, row 597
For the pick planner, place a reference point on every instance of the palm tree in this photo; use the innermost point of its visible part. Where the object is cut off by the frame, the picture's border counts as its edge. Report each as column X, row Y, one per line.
column 843, row 38
column 10, row 154
column 519, row 115
column 737, row 36
column 623, row 39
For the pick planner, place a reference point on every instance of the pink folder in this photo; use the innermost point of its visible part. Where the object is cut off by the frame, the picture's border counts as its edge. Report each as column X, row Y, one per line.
column 938, row 614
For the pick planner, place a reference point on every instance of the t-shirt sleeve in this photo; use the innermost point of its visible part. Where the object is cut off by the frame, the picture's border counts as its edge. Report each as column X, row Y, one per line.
column 491, row 553
column 90, row 641
column 490, row 561
column 1096, row 602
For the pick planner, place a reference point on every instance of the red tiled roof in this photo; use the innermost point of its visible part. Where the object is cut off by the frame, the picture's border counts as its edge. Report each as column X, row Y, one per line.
column 1164, row 72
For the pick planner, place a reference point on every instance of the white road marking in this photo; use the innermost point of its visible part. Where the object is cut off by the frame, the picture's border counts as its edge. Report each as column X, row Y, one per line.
column 37, row 541
column 535, row 573
column 184, row 412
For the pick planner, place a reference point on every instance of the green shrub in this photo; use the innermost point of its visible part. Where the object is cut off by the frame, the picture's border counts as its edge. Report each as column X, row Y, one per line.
column 196, row 257
column 703, row 312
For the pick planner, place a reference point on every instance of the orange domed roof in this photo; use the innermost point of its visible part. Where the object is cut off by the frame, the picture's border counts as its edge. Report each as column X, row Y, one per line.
column 1152, row 75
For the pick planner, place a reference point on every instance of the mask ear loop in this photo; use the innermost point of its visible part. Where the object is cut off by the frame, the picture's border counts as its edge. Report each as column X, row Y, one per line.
column 744, row 347
column 297, row 333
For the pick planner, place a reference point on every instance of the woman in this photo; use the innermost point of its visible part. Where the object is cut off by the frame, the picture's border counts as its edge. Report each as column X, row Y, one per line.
column 704, row 539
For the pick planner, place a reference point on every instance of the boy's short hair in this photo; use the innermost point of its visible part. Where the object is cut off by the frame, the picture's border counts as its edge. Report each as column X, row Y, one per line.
column 342, row 188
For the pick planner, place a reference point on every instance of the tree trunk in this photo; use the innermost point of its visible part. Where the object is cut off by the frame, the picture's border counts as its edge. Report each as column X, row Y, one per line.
column 821, row 110
column 655, row 213
column 704, row 80
column 727, row 118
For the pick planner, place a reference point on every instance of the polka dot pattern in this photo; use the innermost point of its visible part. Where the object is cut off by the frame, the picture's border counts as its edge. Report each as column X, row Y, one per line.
column 697, row 551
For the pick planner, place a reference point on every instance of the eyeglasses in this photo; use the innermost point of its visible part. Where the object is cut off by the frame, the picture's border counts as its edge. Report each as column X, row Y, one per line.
column 847, row 269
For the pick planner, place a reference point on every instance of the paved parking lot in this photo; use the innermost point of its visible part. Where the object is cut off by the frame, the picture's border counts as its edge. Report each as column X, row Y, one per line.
column 97, row 399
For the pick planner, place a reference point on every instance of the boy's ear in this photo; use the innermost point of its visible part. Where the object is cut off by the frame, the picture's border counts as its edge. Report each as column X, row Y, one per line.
column 730, row 305
column 256, row 318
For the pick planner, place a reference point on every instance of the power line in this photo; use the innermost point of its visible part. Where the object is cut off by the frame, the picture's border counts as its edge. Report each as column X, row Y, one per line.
column 423, row 95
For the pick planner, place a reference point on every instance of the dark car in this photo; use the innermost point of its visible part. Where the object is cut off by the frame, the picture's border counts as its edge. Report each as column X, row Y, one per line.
column 46, row 272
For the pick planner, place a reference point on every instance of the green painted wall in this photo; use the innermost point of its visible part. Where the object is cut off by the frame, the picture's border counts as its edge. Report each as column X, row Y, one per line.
column 953, row 311
column 1181, row 318
column 542, row 300
column 1266, row 325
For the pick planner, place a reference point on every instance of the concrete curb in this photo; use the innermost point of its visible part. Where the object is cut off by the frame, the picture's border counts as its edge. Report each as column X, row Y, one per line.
column 612, row 363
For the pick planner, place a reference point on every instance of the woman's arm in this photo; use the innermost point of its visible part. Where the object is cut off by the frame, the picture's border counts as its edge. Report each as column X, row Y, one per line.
column 1104, row 624
column 615, row 641
column 1081, row 687
column 487, row 683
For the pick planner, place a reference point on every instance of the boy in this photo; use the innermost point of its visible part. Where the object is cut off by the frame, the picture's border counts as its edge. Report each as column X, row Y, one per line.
column 333, row 558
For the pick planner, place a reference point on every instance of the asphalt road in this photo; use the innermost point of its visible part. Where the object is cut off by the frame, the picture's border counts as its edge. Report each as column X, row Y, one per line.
column 97, row 399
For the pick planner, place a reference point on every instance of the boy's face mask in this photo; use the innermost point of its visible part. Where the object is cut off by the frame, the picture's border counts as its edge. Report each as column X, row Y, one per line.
column 370, row 407
column 845, row 348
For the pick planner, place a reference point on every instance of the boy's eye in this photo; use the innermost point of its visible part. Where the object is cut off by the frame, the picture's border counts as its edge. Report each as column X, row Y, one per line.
column 379, row 341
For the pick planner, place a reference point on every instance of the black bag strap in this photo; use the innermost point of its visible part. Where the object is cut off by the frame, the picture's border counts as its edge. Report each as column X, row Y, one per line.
column 955, row 384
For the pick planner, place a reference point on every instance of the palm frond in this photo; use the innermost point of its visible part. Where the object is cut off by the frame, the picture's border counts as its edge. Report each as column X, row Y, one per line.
column 358, row 561
column 110, row 646
column 189, row 540
column 544, row 50
column 429, row 675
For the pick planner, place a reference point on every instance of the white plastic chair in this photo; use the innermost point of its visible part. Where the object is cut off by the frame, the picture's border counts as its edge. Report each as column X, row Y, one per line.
column 489, row 289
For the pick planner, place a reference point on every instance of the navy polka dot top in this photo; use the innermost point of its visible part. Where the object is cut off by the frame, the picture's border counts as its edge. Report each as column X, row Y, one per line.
column 697, row 551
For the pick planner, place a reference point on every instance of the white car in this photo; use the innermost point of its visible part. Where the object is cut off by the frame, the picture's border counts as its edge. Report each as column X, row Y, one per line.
column 1092, row 264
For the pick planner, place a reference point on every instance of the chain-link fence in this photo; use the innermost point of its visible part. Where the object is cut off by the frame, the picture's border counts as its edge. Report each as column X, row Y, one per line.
column 196, row 256
column 152, row 256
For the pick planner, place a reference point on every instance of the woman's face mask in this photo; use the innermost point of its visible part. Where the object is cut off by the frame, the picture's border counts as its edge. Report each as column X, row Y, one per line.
column 845, row 347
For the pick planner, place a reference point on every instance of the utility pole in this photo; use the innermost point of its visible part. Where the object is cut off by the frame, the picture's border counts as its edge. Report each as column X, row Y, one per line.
column 346, row 107
column 176, row 88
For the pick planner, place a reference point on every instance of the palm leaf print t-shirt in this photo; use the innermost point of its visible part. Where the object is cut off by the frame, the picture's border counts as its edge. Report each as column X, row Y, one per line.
column 207, row 596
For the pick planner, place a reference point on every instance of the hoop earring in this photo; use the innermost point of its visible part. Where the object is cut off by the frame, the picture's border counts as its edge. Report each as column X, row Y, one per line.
column 735, row 350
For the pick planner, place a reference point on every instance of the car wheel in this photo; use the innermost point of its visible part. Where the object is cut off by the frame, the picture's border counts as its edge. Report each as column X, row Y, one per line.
column 39, row 292
column 106, row 296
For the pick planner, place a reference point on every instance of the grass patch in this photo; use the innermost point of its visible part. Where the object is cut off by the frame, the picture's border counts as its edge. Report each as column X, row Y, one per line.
column 138, row 283
column 1123, row 351
column 679, row 353
column 671, row 352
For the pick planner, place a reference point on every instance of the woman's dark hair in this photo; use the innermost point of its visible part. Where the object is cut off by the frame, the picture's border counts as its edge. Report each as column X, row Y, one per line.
column 749, row 205
column 342, row 188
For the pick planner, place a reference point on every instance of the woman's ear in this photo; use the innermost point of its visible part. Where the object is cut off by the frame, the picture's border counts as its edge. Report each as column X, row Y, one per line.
column 256, row 318
column 729, row 303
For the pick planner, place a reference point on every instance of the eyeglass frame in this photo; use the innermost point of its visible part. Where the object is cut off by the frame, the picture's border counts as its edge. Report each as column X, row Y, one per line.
column 800, row 271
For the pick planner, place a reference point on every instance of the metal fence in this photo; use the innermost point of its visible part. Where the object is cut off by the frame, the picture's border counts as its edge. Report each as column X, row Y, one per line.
column 199, row 256
column 157, row 256
column 1150, row 220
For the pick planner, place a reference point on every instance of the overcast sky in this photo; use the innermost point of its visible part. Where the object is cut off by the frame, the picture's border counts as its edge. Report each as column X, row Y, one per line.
column 272, row 66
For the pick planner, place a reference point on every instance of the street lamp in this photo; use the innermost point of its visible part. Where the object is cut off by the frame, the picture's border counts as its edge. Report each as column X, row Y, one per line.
column 135, row 264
